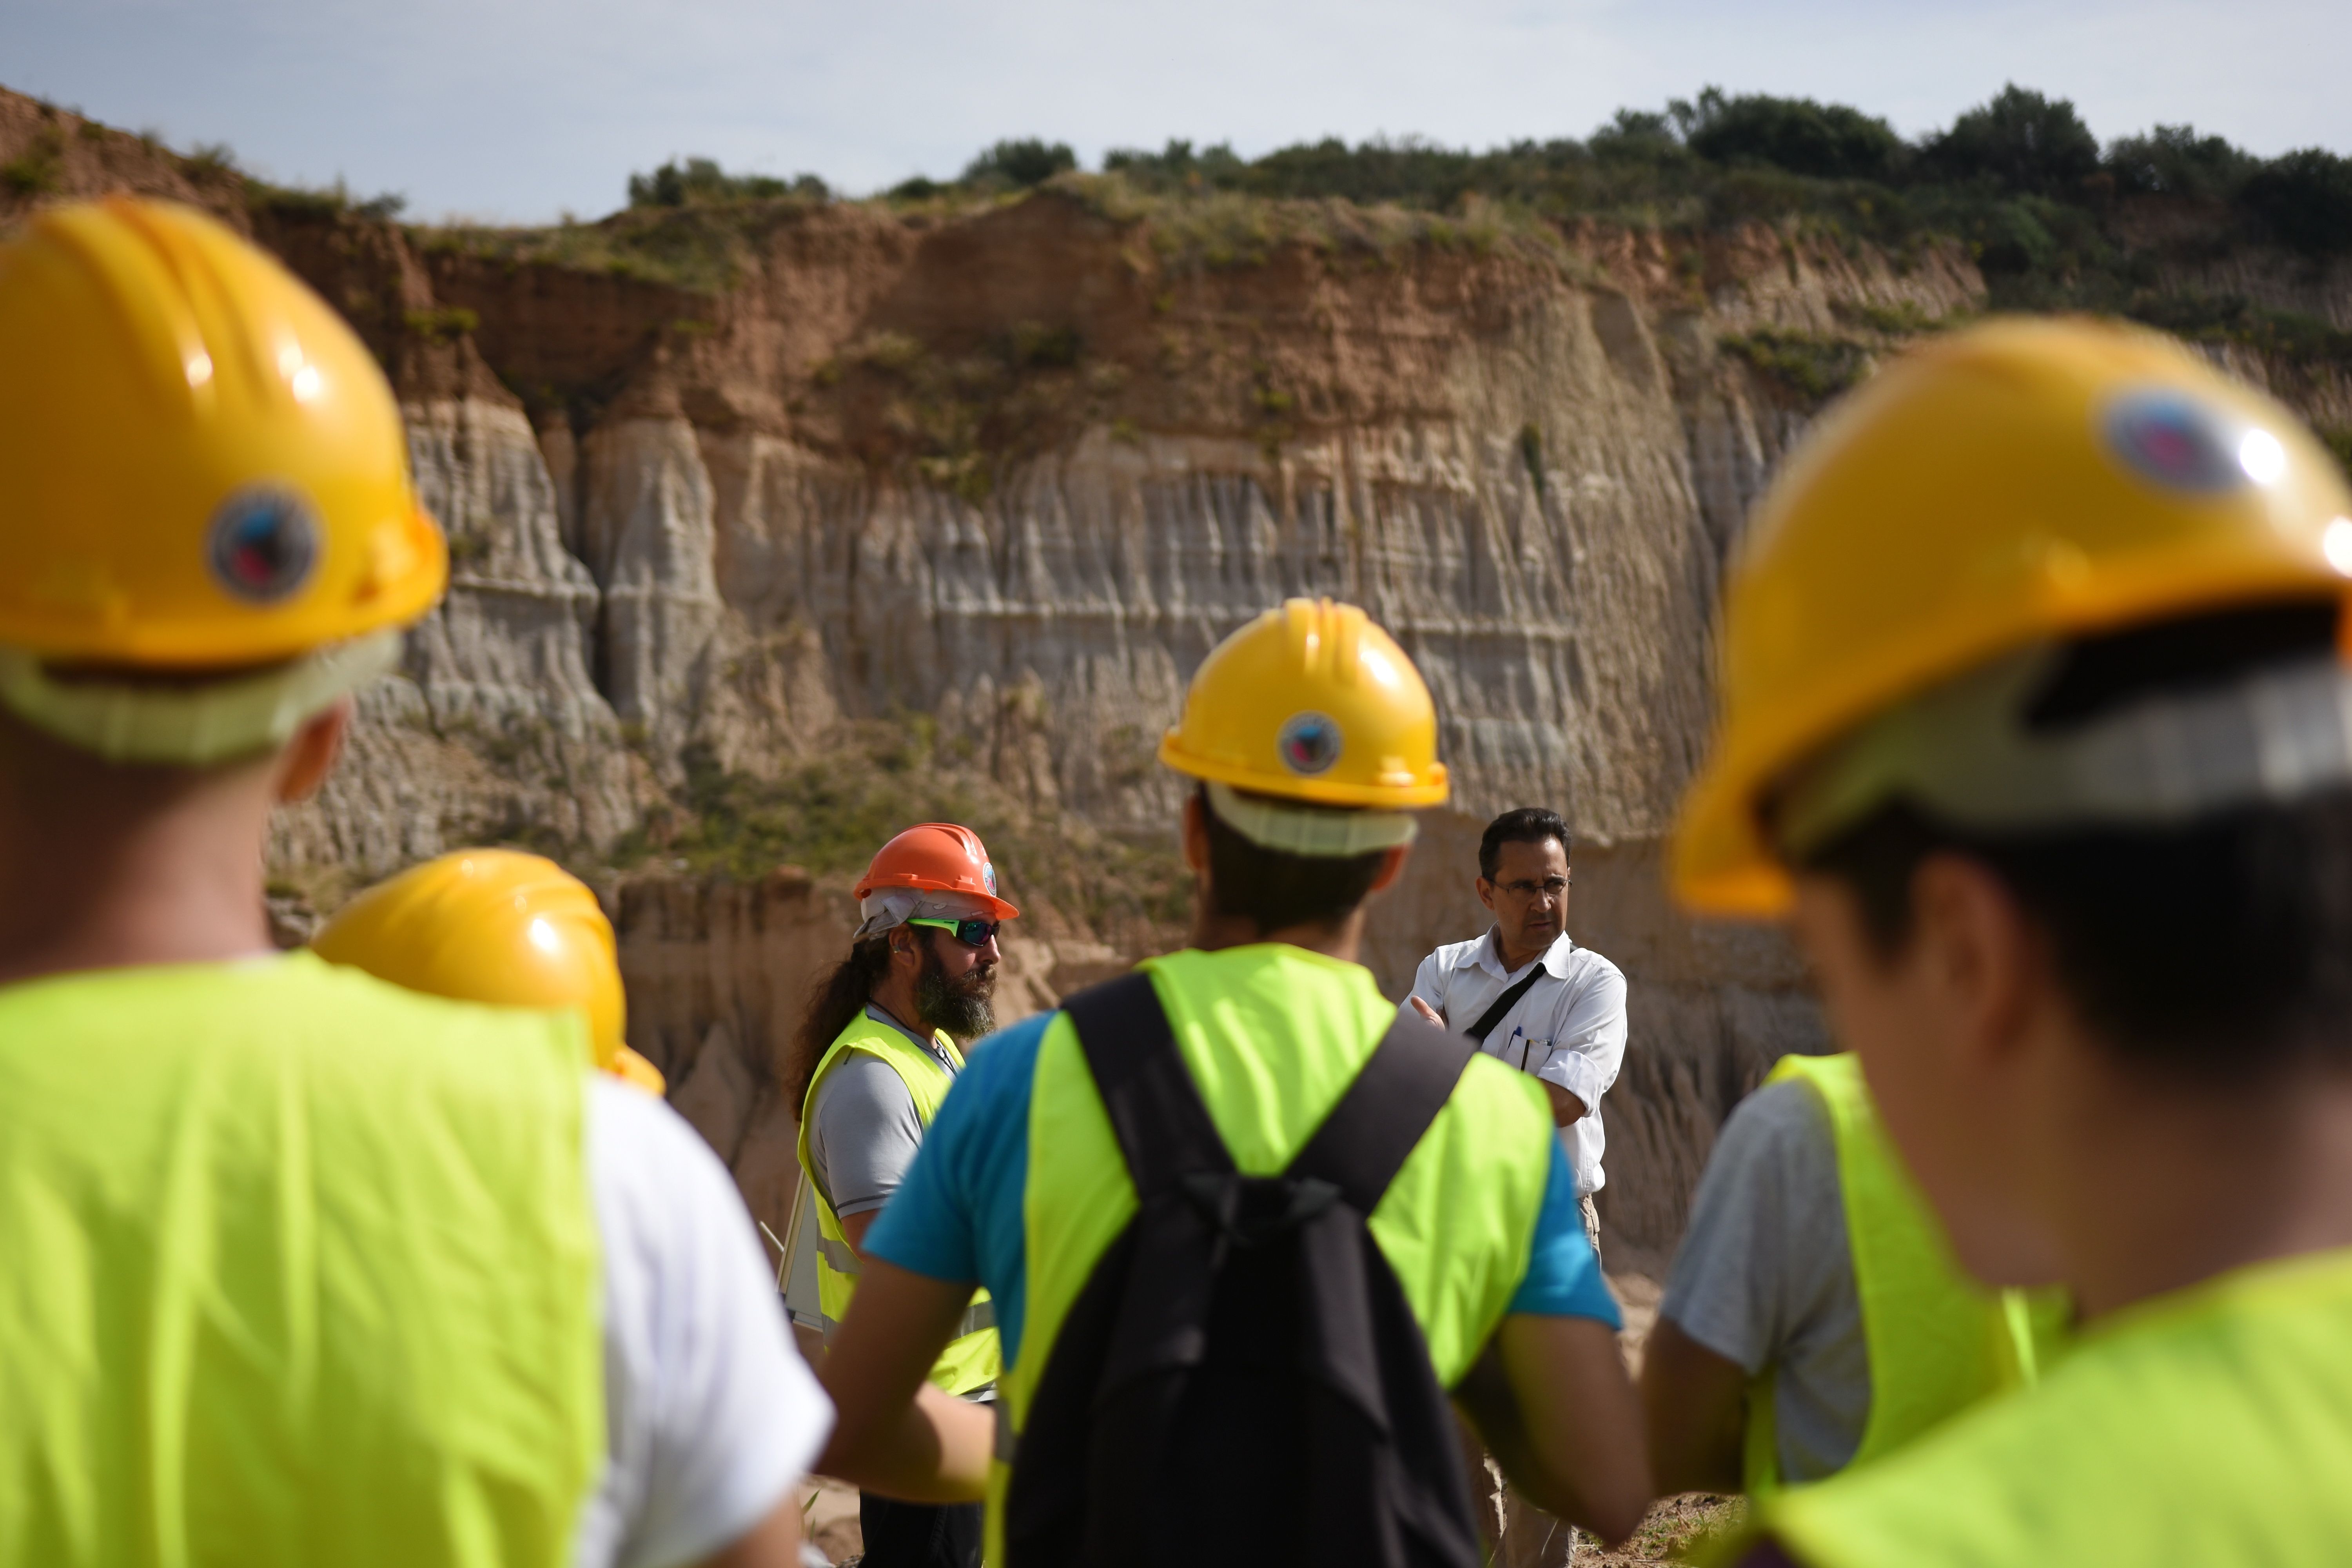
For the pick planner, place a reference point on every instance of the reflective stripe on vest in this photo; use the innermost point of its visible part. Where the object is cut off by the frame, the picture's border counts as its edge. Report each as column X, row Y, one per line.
column 2210, row 1427
column 301, row 1268
column 1273, row 1034
column 971, row 1361
column 1937, row 1341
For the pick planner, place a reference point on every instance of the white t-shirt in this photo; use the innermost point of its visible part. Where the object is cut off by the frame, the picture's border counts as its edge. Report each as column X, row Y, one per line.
column 1568, row 1029
column 1765, row 1275
column 711, row 1413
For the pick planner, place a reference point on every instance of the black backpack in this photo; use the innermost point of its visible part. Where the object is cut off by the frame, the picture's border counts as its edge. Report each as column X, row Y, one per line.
column 1241, row 1382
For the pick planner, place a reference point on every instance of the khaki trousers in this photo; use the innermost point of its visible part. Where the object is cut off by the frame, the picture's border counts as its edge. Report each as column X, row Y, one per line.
column 1516, row 1533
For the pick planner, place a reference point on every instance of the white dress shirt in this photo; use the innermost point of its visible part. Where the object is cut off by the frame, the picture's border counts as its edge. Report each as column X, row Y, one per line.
column 1568, row 1029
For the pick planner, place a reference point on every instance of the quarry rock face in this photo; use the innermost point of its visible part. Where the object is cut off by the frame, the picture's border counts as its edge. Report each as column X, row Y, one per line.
column 1014, row 473
column 493, row 727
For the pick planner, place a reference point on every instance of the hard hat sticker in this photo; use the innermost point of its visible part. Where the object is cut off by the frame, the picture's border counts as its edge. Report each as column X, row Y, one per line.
column 988, row 876
column 1309, row 744
column 2174, row 441
column 264, row 541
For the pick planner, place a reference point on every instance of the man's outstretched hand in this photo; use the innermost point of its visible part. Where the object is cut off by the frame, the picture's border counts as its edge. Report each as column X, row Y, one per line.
column 1428, row 1012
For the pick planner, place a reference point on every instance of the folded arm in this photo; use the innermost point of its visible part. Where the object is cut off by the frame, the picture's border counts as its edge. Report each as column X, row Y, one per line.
column 1587, row 1050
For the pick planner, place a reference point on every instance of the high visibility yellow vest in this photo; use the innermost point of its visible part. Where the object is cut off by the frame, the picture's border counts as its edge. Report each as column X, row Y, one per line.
column 1937, row 1341
column 1273, row 1035
column 300, row 1268
column 971, row 1360
column 2212, row 1426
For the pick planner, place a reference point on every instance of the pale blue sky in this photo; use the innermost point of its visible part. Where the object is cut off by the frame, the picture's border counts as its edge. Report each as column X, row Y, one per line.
column 517, row 109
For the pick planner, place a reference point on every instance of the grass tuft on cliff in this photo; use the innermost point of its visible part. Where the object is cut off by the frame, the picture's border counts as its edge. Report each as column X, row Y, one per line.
column 1812, row 367
column 830, row 810
column 698, row 181
column 1192, row 230
column 703, row 247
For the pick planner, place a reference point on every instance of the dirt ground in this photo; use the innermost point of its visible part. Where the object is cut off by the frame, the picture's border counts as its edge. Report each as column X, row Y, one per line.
column 1676, row 1525
column 830, row 1520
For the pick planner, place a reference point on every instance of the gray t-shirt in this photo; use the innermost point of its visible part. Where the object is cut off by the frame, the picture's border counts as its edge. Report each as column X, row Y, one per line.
column 863, row 1129
column 1765, row 1276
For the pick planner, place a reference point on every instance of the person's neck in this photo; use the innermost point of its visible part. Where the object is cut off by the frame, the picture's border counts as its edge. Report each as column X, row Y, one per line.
column 2160, row 1188
column 1515, row 959
column 1344, row 941
column 895, row 996
column 104, row 878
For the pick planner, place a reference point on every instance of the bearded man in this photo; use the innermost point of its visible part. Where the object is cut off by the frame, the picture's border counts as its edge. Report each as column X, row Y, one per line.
column 877, row 1053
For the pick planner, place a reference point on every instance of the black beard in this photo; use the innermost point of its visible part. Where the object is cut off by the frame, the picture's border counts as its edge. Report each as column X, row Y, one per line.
column 958, row 1008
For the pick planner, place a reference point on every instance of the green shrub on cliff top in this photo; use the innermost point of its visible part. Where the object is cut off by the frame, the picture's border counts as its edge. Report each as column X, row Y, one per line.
column 1024, row 163
column 2021, row 141
column 2305, row 197
column 678, row 183
column 2174, row 160
column 1830, row 141
column 2019, row 181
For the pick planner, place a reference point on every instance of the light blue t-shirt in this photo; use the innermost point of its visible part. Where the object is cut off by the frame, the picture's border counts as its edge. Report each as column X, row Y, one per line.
column 958, row 1216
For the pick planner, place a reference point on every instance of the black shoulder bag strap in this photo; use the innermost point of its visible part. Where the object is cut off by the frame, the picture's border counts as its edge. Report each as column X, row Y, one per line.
column 1504, row 1004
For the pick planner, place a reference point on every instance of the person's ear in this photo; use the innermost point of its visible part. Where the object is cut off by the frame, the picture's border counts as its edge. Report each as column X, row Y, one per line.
column 1196, row 834
column 1392, row 867
column 311, row 755
column 1981, row 954
column 1486, row 892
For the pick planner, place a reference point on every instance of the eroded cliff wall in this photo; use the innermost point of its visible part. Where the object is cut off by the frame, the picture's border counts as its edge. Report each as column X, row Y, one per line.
column 1013, row 473
column 1019, row 473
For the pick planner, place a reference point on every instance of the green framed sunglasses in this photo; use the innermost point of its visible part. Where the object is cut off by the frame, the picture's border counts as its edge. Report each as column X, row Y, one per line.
column 972, row 933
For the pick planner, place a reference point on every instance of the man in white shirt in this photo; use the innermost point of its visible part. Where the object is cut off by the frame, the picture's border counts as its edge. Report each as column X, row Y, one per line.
column 1528, row 994
column 1562, row 1008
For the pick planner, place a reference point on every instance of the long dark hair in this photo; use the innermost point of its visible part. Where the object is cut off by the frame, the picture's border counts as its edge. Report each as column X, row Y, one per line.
column 833, row 1000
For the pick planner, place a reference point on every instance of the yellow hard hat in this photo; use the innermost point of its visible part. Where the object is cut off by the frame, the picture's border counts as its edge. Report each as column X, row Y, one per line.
column 202, row 464
column 488, row 925
column 2019, row 481
column 1311, row 703
column 633, row 1068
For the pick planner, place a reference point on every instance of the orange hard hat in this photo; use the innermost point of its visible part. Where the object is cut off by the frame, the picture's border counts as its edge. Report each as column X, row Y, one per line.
column 939, row 856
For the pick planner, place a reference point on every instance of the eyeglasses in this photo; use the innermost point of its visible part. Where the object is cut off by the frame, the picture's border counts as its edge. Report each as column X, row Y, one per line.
column 1551, row 888
column 972, row 933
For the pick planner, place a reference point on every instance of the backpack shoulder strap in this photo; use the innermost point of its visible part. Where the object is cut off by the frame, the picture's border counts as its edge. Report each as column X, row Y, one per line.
column 1399, row 1093
column 1164, row 1128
